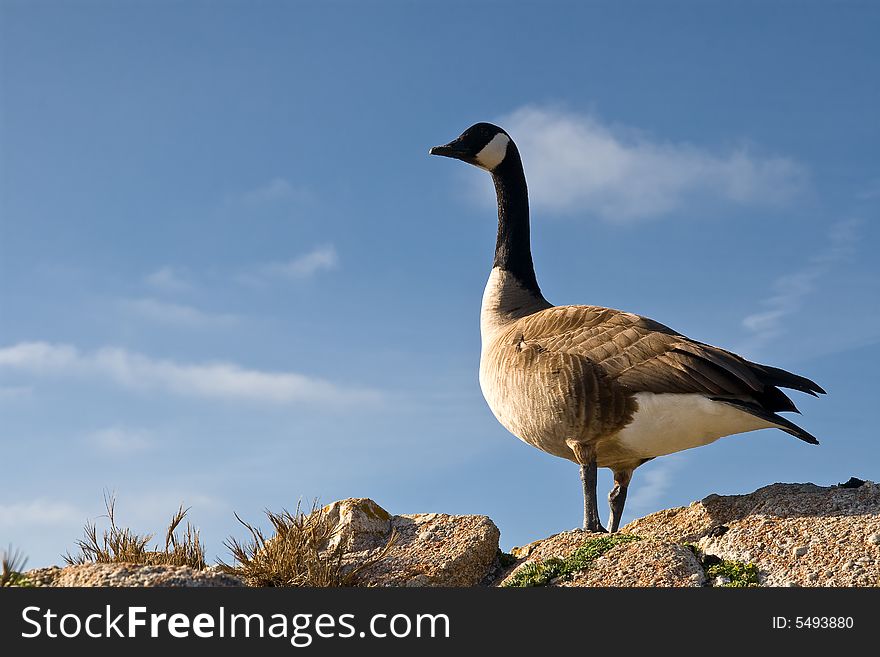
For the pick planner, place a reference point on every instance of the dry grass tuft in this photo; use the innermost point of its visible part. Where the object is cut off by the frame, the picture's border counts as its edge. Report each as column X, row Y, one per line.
column 12, row 562
column 121, row 545
column 297, row 555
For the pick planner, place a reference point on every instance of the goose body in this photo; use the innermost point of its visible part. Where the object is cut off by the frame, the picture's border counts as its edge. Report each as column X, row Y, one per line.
column 545, row 384
column 599, row 386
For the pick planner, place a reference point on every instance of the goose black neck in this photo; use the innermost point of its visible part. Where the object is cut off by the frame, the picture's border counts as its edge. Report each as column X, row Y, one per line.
column 513, row 251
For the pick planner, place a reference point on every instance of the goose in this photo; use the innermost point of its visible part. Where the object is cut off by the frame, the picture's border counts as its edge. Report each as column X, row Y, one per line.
column 598, row 386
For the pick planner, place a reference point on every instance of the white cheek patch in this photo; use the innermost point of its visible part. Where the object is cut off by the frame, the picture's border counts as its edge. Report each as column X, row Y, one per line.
column 493, row 153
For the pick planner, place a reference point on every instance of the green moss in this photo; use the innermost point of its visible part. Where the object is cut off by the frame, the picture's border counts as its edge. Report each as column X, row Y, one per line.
column 18, row 579
column 540, row 573
column 739, row 574
column 537, row 573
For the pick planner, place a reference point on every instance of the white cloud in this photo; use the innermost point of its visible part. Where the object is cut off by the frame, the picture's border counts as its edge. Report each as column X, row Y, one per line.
column 39, row 357
column 39, row 512
column 168, row 279
column 212, row 380
column 575, row 163
column 791, row 289
column 175, row 313
column 322, row 258
column 120, row 440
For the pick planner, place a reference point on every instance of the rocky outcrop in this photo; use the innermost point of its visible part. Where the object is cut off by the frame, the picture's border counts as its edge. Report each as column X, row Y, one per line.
column 795, row 534
column 428, row 549
column 128, row 574
column 779, row 535
column 425, row 549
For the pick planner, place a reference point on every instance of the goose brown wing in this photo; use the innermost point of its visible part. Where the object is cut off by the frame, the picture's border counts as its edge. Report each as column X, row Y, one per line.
column 638, row 353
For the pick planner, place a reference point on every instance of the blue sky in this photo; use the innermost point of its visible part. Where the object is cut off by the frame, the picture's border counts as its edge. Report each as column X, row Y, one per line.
column 231, row 276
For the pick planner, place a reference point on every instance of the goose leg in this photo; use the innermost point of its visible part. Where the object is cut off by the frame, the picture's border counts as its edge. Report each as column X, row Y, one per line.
column 591, row 506
column 586, row 456
column 617, row 498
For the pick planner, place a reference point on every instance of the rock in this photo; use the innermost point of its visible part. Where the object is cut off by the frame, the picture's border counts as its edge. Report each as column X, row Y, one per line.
column 718, row 530
column 644, row 563
column 430, row 549
column 637, row 563
column 558, row 545
column 42, row 576
column 796, row 534
column 359, row 523
column 129, row 574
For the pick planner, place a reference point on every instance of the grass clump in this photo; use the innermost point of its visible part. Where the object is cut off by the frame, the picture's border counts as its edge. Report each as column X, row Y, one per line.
column 12, row 564
column 737, row 573
column 297, row 555
column 122, row 545
column 541, row 573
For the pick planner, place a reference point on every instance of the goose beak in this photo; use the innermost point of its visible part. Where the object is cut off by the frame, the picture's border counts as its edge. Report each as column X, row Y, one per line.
column 452, row 149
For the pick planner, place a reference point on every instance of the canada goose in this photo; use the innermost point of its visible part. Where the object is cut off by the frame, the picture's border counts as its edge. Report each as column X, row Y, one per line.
column 601, row 387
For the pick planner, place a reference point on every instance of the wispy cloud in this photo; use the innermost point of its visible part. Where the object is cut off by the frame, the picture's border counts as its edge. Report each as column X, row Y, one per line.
column 15, row 392
column 275, row 190
column 153, row 509
column 38, row 512
column 790, row 290
column 168, row 279
column 175, row 314
column 654, row 482
column 307, row 265
column 212, row 380
column 870, row 191
column 576, row 163
column 119, row 440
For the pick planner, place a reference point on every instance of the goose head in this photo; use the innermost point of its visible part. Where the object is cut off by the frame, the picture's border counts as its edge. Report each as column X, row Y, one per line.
column 484, row 145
